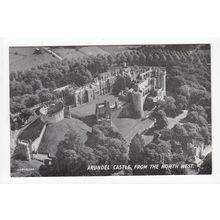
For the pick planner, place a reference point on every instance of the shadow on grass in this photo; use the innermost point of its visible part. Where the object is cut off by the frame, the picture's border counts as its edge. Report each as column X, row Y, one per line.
column 90, row 120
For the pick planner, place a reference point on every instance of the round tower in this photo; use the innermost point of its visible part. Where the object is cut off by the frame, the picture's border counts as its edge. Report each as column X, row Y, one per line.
column 138, row 102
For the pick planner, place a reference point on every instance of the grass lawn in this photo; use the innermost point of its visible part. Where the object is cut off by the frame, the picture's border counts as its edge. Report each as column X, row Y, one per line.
column 129, row 127
column 69, row 53
column 25, row 59
column 55, row 133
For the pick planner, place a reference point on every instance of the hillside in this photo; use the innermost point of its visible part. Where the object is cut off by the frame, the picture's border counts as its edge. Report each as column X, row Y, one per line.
column 55, row 133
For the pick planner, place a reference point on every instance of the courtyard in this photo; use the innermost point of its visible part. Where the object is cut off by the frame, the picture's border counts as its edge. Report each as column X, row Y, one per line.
column 128, row 127
column 88, row 109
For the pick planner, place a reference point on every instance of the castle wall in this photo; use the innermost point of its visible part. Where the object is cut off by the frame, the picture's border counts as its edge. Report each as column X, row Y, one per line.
column 35, row 144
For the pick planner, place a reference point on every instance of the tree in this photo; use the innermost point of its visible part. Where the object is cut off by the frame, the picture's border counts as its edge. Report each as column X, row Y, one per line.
column 45, row 95
column 120, row 58
column 129, row 58
column 110, row 59
column 195, row 95
column 198, row 108
column 208, row 113
column 16, row 89
column 205, row 133
column 205, row 100
column 108, row 145
column 181, row 102
column 25, row 114
column 174, row 82
column 16, row 106
column 184, row 90
column 179, row 138
column 150, row 59
column 80, row 75
column 27, row 88
column 206, row 167
column 169, row 106
column 136, row 59
column 161, row 120
column 193, row 131
column 72, row 158
column 194, row 117
column 156, row 59
column 142, row 59
column 31, row 100
column 37, row 85
column 166, row 134
column 158, row 153
column 163, row 59
column 136, row 149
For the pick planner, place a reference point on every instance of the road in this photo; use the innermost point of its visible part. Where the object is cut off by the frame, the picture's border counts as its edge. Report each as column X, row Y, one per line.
column 176, row 120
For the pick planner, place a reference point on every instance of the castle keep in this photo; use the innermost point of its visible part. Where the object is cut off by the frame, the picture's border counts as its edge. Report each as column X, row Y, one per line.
column 151, row 84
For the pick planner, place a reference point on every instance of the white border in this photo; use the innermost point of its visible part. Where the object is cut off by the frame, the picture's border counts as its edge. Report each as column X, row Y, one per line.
column 4, row 110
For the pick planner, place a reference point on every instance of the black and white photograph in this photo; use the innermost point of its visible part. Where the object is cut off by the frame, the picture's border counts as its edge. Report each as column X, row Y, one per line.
column 110, row 110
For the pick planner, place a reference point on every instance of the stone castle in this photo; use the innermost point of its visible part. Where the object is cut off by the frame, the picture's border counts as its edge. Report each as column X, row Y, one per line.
column 149, row 83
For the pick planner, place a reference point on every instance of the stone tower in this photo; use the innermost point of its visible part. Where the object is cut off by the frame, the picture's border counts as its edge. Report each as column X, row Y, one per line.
column 154, row 80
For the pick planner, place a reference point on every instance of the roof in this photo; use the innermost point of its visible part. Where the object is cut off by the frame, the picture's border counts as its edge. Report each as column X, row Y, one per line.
column 32, row 131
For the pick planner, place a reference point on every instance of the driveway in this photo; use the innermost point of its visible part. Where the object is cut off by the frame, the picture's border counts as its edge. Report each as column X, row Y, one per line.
column 176, row 120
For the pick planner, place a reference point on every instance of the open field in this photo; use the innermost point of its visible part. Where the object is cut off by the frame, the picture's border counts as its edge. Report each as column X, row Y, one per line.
column 86, row 51
column 22, row 58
